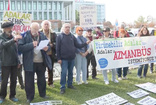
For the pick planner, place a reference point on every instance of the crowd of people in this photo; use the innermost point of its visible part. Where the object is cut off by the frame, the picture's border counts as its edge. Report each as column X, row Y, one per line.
column 19, row 50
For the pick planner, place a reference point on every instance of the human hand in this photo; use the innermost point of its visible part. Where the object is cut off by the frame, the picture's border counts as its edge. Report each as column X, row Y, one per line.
column 88, row 41
column 59, row 61
column 45, row 48
column 35, row 43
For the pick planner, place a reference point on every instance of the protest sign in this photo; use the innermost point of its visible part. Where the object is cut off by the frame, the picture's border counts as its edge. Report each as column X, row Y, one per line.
column 51, row 102
column 109, row 99
column 124, row 52
column 148, row 86
column 147, row 101
column 129, row 103
column 138, row 93
column 88, row 16
column 21, row 21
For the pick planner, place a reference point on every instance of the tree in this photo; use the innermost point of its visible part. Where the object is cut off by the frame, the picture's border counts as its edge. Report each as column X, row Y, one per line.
column 140, row 21
column 77, row 17
column 107, row 24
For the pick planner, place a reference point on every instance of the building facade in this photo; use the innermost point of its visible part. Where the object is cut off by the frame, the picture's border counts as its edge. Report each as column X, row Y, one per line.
column 63, row 10
column 100, row 9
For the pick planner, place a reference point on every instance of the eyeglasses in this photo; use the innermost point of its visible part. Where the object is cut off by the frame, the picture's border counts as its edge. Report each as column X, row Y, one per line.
column 80, row 30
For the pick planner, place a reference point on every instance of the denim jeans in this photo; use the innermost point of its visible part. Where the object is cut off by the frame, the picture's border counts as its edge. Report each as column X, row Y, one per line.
column 104, row 72
column 81, row 64
column 0, row 72
column 119, row 71
column 67, row 65
column 140, row 70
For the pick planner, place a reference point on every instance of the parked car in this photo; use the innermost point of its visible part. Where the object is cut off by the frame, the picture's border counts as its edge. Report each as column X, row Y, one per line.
column 131, row 34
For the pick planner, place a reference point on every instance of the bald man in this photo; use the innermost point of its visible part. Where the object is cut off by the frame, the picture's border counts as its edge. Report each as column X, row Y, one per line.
column 33, row 61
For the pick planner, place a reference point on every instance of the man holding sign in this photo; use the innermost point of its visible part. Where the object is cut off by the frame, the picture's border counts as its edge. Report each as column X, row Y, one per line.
column 33, row 61
column 9, row 61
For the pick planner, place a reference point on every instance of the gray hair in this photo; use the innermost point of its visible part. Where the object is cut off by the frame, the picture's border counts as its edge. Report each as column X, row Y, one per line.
column 64, row 25
column 42, row 24
column 34, row 23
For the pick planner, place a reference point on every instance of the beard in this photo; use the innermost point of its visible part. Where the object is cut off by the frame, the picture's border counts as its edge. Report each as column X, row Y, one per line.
column 9, row 33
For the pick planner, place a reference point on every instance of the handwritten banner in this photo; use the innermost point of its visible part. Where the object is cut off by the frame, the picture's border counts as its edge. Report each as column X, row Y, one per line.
column 21, row 21
column 51, row 102
column 148, row 86
column 124, row 52
column 108, row 99
column 88, row 16
column 138, row 93
column 147, row 101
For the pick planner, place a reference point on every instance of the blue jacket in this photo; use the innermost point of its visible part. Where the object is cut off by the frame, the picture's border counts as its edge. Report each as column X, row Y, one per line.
column 66, row 46
column 25, row 46
column 81, row 40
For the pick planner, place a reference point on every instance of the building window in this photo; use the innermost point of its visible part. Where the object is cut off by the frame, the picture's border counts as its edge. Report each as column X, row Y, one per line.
column 24, row 5
column 35, row 5
column 45, row 15
column 13, row 5
column 30, row 12
column 60, row 15
column 55, row 5
column 6, row 5
column 60, row 6
column 35, row 15
column 40, row 5
column 50, row 15
column 18, row 5
column 1, row 16
column 50, row 5
column 45, row 5
column 55, row 15
column 29, row 5
column 1, row 5
column 40, row 15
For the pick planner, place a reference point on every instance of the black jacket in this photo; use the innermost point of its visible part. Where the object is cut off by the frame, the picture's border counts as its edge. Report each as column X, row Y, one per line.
column 66, row 46
column 9, row 54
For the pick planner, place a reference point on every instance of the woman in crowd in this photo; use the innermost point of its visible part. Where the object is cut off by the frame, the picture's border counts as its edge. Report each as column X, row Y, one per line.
column 143, row 32
column 107, row 35
column 122, row 34
column 46, row 29
column 80, row 60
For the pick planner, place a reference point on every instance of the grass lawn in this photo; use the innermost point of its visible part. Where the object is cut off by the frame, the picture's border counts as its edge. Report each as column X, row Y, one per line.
column 94, row 89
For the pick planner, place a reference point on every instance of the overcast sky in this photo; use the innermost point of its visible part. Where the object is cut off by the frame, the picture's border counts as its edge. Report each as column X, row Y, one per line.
column 128, row 10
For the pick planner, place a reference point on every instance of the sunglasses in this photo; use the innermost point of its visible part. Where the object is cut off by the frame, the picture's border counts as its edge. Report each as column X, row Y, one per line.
column 80, row 30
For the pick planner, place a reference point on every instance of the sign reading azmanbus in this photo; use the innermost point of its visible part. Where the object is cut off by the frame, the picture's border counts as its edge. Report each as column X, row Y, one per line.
column 22, row 21
column 124, row 52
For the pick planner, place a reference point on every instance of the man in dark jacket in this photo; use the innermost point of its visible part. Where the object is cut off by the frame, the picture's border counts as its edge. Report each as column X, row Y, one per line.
column 66, row 44
column 33, row 61
column 9, row 61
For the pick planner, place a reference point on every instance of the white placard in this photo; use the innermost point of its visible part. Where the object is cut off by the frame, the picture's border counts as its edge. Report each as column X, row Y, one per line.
column 124, row 52
column 52, row 102
column 148, row 86
column 88, row 16
column 147, row 101
column 108, row 99
column 129, row 103
column 21, row 21
column 138, row 93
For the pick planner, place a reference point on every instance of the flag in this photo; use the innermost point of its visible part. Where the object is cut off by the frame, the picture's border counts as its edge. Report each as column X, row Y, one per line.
column 8, row 5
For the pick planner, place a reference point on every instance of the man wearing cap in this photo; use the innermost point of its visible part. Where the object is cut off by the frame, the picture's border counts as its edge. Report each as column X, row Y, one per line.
column 9, row 61
column 90, row 57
